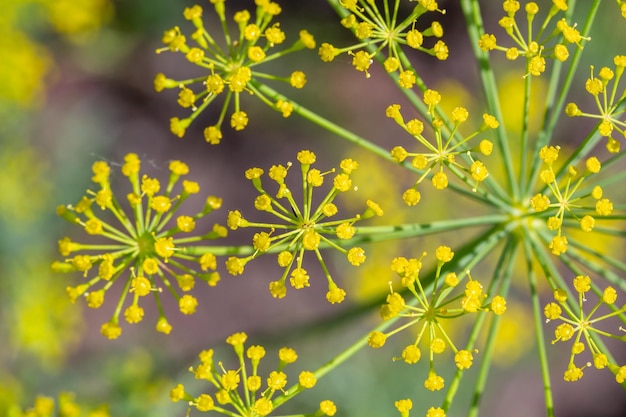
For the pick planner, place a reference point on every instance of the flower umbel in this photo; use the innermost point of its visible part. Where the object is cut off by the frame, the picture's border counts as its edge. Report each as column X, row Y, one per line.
column 143, row 251
column 581, row 327
column 537, row 44
column 569, row 198
column 386, row 30
column 302, row 227
column 610, row 106
column 242, row 391
column 231, row 69
column 431, row 310
column 66, row 405
column 448, row 148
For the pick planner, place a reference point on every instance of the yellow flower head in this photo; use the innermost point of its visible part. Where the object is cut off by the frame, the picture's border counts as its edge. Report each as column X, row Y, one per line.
column 231, row 71
column 141, row 249
column 231, row 386
column 579, row 326
column 379, row 27
column 303, row 228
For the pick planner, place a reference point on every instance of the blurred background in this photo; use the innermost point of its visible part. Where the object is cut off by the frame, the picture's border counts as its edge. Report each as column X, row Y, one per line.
column 76, row 86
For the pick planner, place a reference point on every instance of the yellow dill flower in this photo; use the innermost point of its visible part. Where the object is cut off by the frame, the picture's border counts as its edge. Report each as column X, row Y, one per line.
column 404, row 406
column 446, row 149
column 384, row 29
column 431, row 310
column 231, row 68
column 23, row 66
column 143, row 251
column 302, row 227
column 603, row 89
column 535, row 45
column 64, row 405
column 78, row 18
column 569, row 201
column 579, row 326
column 237, row 392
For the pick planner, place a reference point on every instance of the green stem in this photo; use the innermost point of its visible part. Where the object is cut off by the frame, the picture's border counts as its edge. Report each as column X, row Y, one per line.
column 368, row 234
column 364, row 143
column 503, row 268
column 553, row 113
column 537, row 314
column 523, row 150
column 471, row 11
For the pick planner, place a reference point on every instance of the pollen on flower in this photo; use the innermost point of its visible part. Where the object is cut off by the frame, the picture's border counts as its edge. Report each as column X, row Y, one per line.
column 403, row 406
column 287, row 355
column 435, row 412
column 307, row 379
column 328, row 408
column 434, row 382
column 411, row 197
column 463, row 359
column 376, row 339
column 411, row 354
column 335, row 294
column 498, row 305
column 444, row 254
column 328, row 52
column 440, row 180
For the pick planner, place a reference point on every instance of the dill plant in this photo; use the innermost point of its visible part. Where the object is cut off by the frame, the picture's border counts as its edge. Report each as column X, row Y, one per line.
column 543, row 200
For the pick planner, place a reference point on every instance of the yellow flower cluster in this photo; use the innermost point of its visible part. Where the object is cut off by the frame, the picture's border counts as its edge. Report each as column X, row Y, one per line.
column 405, row 406
column 232, row 68
column 608, row 102
column 537, row 44
column 141, row 251
column 429, row 311
column 241, row 392
column 581, row 327
column 64, row 407
column 386, row 30
column 302, row 227
column 448, row 148
column 568, row 198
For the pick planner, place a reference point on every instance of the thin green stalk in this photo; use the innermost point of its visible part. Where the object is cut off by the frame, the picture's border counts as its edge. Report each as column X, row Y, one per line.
column 580, row 252
column 369, row 234
column 553, row 114
column 523, row 150
column 467, row 258
column 415, row 100
column 503, row 268
column 366, row 144
column 551, row 270
column 335, row 362
column 538, row 315
column 471, row 12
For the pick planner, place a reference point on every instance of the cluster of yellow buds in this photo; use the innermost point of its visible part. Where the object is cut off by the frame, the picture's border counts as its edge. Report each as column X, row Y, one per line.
column 386, row 30
column 431, row 309
column 141, row 250
column 538, row 44
column 65, row 406
column 301, row 228
column 233, row 68
column 568, row 198
column 582, row 327
column 445, row 150
column 608, row 102
column 240, row 392
column 404, row 408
